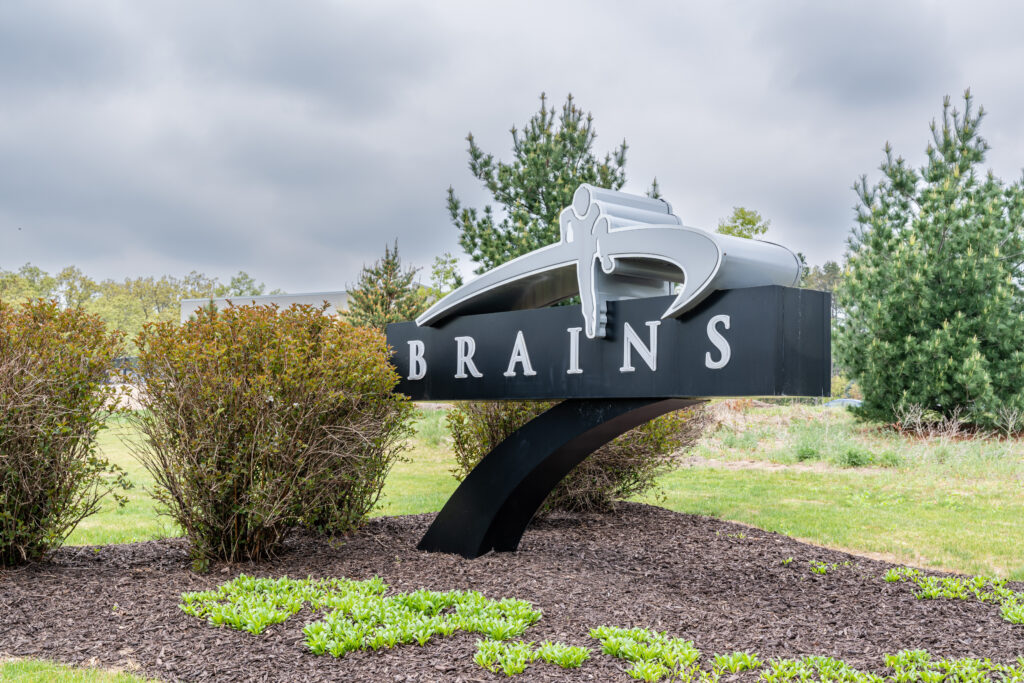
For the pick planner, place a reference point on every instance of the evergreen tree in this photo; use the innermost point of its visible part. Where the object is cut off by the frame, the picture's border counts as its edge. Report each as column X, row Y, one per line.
column 385, row 293
column 933, row 304
column 552, row 156
column 744, row 222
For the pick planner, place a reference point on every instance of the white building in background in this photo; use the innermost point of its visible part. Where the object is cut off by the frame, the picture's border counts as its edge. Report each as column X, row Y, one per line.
column 337, row 301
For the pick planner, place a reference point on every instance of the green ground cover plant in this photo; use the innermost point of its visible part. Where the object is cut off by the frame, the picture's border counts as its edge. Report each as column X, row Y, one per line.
column 513, row 657
column 736, row 662
column 359, row 616
column 819, row 567
column 906, row 666
column 981, row 588
column 653, row 654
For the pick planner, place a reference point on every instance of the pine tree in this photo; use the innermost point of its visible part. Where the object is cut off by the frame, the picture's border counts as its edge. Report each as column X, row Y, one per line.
column 385, row 293
column 933, row 304
column 552, row 156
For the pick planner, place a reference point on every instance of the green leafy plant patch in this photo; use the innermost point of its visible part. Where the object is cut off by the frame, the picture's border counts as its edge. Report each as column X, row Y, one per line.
column 359, row 614
column 981, row 588
column 654, row 655
column 512, row 658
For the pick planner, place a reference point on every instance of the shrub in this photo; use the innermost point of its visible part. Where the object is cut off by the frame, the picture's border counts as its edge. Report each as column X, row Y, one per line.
column 624, row 467
column 854, row 456
column 53, row 368
column 807, row 451
column 259, row 420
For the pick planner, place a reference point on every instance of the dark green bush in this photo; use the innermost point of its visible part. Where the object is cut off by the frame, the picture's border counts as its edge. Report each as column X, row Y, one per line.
column 257, row 421
column 854, row 456
column 624, row 467
column 53, row 402
column 807, row 451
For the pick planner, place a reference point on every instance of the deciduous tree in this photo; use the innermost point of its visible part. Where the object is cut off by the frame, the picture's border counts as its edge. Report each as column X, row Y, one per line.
column 744, row 222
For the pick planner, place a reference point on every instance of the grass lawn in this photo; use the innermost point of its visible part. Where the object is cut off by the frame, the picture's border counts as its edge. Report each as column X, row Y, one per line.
column 137, row 520
column 941, row 502
column 39, row 671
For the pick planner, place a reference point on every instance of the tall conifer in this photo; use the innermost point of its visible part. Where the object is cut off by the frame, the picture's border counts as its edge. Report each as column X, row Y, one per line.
column 934, row 311
column 552, row 156
column 385, row 293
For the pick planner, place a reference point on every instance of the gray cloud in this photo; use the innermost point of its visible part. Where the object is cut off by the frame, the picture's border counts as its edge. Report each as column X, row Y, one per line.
column 294, row 141
column 868, row 54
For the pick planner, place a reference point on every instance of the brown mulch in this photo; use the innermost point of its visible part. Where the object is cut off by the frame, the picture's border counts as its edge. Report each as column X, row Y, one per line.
column 722, row 585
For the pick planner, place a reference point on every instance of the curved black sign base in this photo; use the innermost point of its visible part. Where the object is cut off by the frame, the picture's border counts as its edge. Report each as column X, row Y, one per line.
column 499, row 497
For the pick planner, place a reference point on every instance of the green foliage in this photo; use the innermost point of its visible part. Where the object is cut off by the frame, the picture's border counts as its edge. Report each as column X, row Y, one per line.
column 359, row 615
column 981, row 588
column 126, row 305
column 385, row 293
column 744, row 223
column 906, row 666
column 258, row 420
column 29, row 282
column 917, row 665
column 626, row 466
column 934, row 311
column 552, row 156
column 807, row 451
column 560, row 654
column 736, row 662
column 824, row 278
column 854, row 456
column 511, row 658
column 819, row 567
column 430, row 427
column 654, row 655
column 54, row 365
column 444, row 278
column 824, row 669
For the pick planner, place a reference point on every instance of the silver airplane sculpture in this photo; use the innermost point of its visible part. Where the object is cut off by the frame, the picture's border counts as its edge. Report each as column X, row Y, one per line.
column 617, row 246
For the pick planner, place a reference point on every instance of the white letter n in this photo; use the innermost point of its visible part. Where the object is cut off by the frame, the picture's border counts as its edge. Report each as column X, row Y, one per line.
column 632, row 341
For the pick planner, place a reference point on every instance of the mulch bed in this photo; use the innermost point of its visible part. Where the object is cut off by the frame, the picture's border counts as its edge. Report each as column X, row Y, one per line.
column 720, row 584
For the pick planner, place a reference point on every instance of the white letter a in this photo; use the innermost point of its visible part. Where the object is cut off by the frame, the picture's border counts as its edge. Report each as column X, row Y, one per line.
column 520, row 355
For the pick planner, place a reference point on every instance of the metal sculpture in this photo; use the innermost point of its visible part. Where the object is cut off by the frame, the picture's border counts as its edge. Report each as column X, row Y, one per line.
column 617, row 246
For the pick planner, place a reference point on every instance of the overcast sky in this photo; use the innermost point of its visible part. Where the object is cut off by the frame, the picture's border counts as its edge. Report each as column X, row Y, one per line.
column 293, row 140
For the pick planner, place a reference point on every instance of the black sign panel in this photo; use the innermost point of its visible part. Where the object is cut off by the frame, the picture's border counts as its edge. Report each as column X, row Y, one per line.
column 760, row 341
